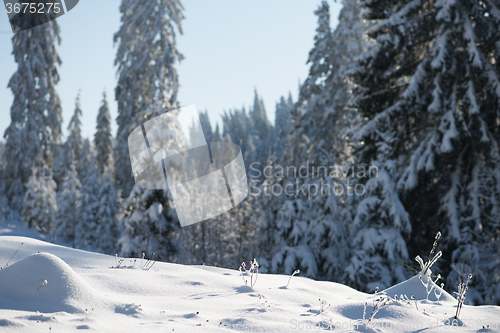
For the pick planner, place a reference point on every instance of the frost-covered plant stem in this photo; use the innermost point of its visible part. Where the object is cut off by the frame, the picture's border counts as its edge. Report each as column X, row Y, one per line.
column 150, row 262
column 118, row 262
column 7, row 264
column 430, row 285
column 254, row 270
column 43, row 284
column 291, row 276
column 322, row 306
column 462, row 289
column 425, row 267
column 413, row 298
column 377, row 305
column 381, row 302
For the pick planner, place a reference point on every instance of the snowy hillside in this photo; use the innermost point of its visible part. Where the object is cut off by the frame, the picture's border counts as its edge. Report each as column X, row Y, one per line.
column 48, row 287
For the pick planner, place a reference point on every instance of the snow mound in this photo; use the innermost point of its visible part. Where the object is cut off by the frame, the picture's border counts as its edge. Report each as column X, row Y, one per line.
column 45, row 283
column 415, row 287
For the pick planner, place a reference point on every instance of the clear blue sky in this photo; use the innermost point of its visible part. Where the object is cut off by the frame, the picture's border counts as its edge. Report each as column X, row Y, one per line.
column 230, row 47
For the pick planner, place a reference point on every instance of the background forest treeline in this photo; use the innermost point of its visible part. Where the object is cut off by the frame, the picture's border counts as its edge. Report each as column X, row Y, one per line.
column 408, row 88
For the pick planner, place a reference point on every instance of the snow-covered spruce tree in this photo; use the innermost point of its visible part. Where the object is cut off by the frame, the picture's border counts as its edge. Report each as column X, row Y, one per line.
column 36, row 111
column 231, row 237
column 75, row 140
column 216, row 134
column 72, row 150
column 319, row 58
column 321, row 118
column 208, row 242
column 433, row 80
column 87, row 221
column 262, row 129
column 87, row 160
column 237, row 127
column 40, row 205
column 320, row 122
column 59, row 169
column 207, row 127
column 149, row 226
column 308, row 229
column 328, row 230
column 68, row 203
column 378, row 246
column 103, row 138
column 294, row 242
column 150, row 223
column 107, row 229
column 214, row 242
column 266, row 206
column 145, row 59
column 282, row 124
column 5, row 212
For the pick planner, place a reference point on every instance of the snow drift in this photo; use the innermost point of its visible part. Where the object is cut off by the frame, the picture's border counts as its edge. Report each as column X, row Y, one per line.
column 45, row 283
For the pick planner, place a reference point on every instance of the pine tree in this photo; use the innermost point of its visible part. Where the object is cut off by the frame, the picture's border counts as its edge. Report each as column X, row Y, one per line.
column 150, row 225
column 108, row 226
column 5, row 212
column 295, row 245
column 86, row 160
column 216, row 134
column 320, row 57
column 36, row 111
column 238, row 128
column 378, row 245
column 145, row 58
column 207, row 127
column 324, row 95
column 261, row 130
column 282, row 124
column 432, row 79
column 40, row 205
column 309, row 91
column 59, row 152
column 72, row 150
column 103, row 138
column 328, row 230
column 68, row 202
column 267, row 205
column 318, row 125
column 87, row 236
column 75, row 140
column 259, row 119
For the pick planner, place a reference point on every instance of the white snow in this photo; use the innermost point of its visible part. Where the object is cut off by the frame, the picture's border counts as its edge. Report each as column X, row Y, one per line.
column 84, row 291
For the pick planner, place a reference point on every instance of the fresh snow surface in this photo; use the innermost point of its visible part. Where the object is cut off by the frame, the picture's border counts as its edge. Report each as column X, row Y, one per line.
column 85, row 291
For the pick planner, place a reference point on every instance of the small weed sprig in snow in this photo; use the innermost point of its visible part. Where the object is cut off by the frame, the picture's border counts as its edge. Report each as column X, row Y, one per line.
column 43, row 284
column 264, row 305
column 7, row 264
column 376, row 306
column 413, row 298
column 118, row 262
column 88, row 313
column 425, row 267
column 149, row 262
column 145, row 264
column 322, row 306
column 254, row 270
column 291, row 276
column 462, row 289
column 431, row 286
